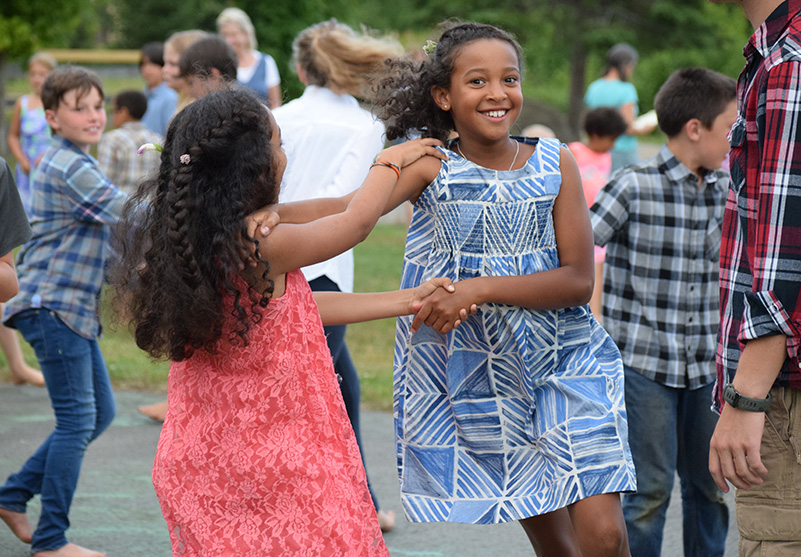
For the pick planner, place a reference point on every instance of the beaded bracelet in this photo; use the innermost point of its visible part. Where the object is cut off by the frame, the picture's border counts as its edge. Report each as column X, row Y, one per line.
column 388, row 164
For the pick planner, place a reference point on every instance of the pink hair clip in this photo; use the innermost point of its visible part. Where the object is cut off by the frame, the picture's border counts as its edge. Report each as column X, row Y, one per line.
column 185, row 158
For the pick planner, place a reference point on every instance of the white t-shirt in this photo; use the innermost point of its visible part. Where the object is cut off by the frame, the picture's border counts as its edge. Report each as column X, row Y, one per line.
column 330, row 142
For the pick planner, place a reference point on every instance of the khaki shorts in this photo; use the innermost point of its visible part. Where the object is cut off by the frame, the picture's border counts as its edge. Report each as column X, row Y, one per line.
column 769, row 515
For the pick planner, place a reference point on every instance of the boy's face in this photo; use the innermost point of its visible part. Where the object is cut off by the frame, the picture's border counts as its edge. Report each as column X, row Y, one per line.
column 79, row 120
column 171, row 72
column 713, row 144
column 151, row 72
column 119, row 115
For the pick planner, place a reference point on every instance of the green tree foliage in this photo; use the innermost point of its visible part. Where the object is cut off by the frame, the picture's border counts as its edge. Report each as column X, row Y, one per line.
column 26, row 25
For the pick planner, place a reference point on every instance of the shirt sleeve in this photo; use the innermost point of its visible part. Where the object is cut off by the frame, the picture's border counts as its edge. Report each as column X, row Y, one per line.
column 105, row 156
column 773, row 219
column 14, row 227
column 272, row 77
column 610, row 212
column 94, row 197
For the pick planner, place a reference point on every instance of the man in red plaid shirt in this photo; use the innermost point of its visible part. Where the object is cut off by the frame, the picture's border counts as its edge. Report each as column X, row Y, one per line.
column 757, row 443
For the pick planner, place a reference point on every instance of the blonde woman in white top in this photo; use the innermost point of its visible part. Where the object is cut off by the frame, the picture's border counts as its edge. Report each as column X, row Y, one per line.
column 257, row 70
column 336, row 140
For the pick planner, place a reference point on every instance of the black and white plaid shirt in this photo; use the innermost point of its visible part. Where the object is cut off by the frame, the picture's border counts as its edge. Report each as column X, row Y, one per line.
column 662, row 236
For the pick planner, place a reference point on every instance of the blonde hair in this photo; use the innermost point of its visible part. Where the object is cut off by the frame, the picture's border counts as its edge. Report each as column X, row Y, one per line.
column 333, row 55
column 44, row 58
column 182, row 40
column 235, row 15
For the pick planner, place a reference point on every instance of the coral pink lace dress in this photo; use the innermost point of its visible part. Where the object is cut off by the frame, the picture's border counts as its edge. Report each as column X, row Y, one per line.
column 256, row 455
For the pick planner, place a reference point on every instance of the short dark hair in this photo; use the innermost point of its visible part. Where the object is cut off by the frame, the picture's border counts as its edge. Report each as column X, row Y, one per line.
column 66, row 78
column 206, row 54
column 604, row 121
column 153, row 51
column 693, row 93
column 134, row 101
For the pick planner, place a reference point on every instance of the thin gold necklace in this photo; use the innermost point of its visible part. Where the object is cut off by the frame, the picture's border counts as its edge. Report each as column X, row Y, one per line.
column 517, row 152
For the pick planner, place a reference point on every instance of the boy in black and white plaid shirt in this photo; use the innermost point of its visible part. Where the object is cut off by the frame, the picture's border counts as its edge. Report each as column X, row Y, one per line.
column 660, row 222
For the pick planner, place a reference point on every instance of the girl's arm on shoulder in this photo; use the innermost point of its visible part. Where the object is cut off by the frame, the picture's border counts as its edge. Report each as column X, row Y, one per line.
column 568, row 285
column 291, row 246
column 412, row 182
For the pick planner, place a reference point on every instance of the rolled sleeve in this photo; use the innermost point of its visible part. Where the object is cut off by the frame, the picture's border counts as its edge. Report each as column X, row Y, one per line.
column 773, row 214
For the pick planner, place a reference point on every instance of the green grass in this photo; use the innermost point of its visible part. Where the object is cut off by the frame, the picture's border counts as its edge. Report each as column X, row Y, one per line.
column 378, row 266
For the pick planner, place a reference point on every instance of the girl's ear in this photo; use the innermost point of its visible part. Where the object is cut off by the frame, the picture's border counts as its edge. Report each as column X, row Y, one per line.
column 441, row 97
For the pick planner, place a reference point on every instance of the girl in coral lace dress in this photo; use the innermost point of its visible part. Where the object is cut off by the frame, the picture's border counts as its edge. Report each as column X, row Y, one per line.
column 256, row 455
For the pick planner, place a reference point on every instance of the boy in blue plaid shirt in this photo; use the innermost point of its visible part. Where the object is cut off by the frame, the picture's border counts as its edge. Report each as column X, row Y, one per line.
column 660, row 222
column 60, row 273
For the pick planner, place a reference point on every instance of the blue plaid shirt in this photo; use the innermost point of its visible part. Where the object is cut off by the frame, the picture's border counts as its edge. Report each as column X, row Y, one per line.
column 662, row 236
column 61, row 267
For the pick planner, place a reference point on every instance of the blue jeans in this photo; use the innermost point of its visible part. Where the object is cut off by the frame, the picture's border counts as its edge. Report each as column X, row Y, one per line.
column 83, row 403
column 669, row 432
column 346, row 371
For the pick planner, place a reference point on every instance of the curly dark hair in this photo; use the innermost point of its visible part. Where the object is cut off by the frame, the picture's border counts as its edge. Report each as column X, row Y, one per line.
column 403, row 98
column 184, row 233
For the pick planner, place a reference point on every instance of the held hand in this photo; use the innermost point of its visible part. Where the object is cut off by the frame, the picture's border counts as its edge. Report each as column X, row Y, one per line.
column 734, row 449
column 259, row 225
column 25, row 164
column 445, row 311
column 404, row 154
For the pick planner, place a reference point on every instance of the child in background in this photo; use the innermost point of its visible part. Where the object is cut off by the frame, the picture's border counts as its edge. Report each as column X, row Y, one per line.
column 518, row 414
column 161, row 99
column 61, row 275
column 602, row 126
column 327, row 125
column 661, row 222
column 174, row 46
column 117, row 150
column 28, row 133
column 256, row 455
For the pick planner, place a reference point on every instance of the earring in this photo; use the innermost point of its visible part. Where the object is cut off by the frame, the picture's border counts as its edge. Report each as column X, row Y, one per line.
column 445, row 107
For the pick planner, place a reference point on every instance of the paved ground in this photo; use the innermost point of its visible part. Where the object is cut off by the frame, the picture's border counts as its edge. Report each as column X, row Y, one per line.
column 115, row 509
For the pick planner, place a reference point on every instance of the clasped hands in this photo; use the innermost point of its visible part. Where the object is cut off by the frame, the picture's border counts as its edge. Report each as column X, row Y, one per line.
column 436, row 303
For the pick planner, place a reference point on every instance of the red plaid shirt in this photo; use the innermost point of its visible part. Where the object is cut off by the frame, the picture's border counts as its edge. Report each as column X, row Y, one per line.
column 760, row 255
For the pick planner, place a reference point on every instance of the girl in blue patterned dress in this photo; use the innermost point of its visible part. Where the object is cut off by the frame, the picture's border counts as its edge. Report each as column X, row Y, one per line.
column 518, row 414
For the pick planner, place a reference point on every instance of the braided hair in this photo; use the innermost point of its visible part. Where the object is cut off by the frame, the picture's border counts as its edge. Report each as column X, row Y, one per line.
column 403, row 98
column 184, row 232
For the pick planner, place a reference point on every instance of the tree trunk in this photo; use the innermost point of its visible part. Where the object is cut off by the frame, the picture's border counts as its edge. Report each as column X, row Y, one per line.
column 578, row 66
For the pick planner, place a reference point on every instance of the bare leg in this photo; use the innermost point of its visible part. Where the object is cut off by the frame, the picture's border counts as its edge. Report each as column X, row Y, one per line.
column 600, row 527
column 386, row 520
column 552, row 534
column 21, row 372
column 18, row 523
column 157, row 411
column 70, row 550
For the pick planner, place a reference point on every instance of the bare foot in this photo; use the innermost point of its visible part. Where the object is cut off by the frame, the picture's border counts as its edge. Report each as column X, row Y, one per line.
column 70, row 550
column 18, row 522
column 386, row 520
column 27, row 374
column 156, row 411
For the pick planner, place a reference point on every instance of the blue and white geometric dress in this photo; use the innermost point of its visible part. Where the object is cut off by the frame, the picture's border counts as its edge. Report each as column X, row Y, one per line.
column 517, row 412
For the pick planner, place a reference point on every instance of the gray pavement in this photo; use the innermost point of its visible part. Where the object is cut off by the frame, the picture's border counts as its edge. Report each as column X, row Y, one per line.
column 115, row 509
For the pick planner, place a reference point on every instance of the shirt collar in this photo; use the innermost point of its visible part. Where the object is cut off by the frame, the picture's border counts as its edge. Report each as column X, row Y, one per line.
column 327, row 95
column 766, row 35
column 676, row 171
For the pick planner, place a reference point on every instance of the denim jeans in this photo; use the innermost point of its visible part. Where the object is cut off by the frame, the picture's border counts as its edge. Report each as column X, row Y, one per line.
column 669, row 432
column 346, row 371
column 83, row 403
